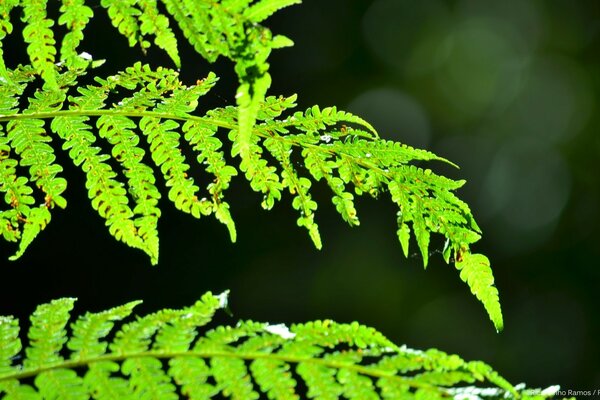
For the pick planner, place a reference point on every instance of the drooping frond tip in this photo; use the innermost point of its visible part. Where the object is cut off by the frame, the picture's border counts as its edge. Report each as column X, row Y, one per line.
column 476, row 272
column 172, row 353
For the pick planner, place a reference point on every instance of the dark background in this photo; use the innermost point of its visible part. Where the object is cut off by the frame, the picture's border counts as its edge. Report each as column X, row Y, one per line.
column 507, row 90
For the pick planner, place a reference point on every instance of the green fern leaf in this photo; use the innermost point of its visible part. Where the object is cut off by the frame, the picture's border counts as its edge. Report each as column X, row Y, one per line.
column 148, row 380
column 123, row 15
column 164, row 145
column 75, row 16
column 422, row 234
column 248, row 99
column 29, row 139
column 173, row 351
column 337, row 147
column 92, row 327
column 37, row 219
column 321, row 381
column 201, row 136
column 191, row 374
column 263, row 178
column 224, row 29
column 263, row 9
column 404, row 235
column 107, row 194
column 232, row 378
column 5, row 29
column 194, row 20
column 101, row 382
column 298, row 187
column 17, row 194
column 47, row 336
column 136, row 19
column 320, row 167
column 118, row 130
column 152, row 22
column 40, row 38
column 475, row 270
column 47, row 333
column 274, row 378
column 10, row 344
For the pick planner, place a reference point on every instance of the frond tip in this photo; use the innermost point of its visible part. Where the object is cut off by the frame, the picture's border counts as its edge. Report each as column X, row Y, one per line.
column 171, row 353
column 476, row 272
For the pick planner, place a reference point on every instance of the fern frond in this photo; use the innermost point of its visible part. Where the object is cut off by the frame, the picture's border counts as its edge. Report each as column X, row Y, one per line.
column 47, row 333
column 334, row 146
column 161, row 107
column 354, row 155
column 172, row 351
column 262, row 176
column 137, row 19
column 475, row 270
column 11, row 344
column 218, row 28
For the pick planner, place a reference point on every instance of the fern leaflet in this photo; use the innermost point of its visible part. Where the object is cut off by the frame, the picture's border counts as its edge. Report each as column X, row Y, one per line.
column 475, row 270
column 75, row 16
column 263, row 9
column 40, row 39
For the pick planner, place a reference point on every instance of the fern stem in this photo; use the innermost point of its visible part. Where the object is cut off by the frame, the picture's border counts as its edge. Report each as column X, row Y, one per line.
column 99, row 113
column 363, row 370
column 153, row 114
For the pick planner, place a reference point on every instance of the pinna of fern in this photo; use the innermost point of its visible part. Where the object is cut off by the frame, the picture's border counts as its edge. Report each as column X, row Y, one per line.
column 172, row 353
column 334, row 146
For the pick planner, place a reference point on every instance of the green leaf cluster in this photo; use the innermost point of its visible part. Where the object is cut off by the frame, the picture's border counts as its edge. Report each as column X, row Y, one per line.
column 148, row 116
column 172, row 354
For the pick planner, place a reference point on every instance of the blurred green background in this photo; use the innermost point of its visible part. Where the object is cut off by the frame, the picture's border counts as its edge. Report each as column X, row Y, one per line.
column 506, row 89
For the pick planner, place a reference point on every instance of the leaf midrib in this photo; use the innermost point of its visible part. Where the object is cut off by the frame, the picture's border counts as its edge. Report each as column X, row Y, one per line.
column 248, row 356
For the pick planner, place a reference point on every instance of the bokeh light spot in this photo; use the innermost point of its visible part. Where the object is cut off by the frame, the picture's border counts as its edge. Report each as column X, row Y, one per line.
column 528, row 185
column 478, row 70
column 395, row 114
column 390, row 27
column 554, row 103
